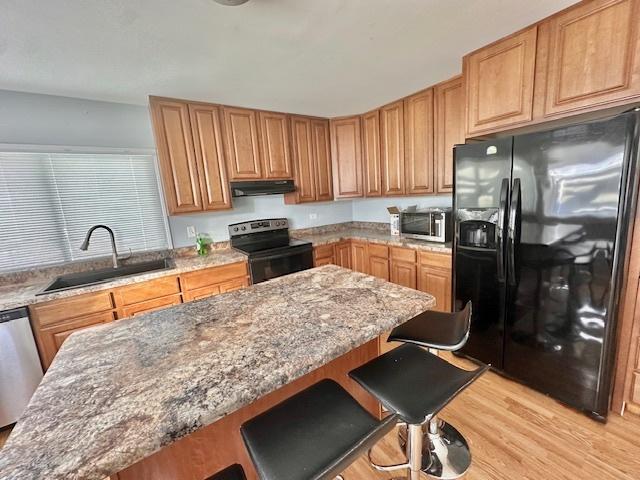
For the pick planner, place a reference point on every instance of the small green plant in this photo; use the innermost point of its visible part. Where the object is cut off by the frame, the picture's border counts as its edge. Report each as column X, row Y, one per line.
column 202, row 244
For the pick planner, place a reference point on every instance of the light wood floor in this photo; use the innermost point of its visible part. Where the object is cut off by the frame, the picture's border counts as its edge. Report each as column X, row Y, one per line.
column 516, row 433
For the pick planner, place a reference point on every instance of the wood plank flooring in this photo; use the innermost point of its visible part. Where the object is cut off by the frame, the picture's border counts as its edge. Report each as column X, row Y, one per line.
column 516, row 433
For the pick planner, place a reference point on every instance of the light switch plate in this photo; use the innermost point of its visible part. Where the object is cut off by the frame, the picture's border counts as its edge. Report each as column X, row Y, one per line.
column 191, row 231
column 313, row 216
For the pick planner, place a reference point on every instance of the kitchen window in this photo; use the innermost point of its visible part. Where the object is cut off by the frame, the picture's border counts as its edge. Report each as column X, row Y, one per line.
column 48, row 201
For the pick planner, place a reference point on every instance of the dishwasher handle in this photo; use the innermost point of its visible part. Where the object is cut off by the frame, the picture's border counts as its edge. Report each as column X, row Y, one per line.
column 15, row 314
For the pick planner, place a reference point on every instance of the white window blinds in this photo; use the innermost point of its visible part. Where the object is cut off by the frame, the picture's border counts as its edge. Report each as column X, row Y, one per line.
column 48, row 201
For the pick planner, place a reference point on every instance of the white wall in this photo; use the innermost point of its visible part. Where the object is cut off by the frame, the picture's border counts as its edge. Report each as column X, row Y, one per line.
column 33, row 119
column 253, row 208
column 375, row 209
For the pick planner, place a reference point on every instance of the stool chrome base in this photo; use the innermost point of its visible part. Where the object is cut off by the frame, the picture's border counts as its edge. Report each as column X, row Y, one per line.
column 445, row 452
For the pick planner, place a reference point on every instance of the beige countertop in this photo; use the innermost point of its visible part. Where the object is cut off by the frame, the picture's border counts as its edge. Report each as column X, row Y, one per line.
column 116, row 393
column 23, row 294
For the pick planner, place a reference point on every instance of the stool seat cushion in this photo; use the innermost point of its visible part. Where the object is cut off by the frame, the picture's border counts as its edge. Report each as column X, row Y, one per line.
column 440, row 330
column 234, row 472
column 315, row 434
column 412, row 382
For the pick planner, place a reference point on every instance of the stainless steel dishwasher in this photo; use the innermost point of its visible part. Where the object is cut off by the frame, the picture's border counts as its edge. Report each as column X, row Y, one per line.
column 20, row 369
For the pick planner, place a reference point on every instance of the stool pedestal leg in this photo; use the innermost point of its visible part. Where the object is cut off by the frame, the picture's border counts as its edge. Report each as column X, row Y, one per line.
column 445, row 452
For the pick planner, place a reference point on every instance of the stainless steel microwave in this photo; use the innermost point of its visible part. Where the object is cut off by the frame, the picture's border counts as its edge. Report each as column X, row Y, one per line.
column 432, row 225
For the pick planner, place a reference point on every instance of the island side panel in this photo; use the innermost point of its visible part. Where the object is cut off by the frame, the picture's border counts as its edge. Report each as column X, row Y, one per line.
column 219, row 445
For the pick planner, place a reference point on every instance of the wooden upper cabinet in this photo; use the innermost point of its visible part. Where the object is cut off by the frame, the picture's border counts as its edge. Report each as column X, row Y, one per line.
column 499, row 83
column 322, row 159
column 209, row 150
column 346, row 157
column 590, row 55
column 304, row 168
column 176, row 155
column 274, row 145
column 418, row 143
column 371, row 154
column 392, row 148
column 448, row 130
column 242, row 143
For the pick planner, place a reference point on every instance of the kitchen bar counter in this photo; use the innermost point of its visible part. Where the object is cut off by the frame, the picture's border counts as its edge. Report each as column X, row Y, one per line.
column 23, row 294
column 117, row 393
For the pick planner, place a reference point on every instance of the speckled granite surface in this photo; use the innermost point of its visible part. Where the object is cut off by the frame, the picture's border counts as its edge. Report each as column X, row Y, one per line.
column 119, row 392
column 19, row 295
column 353, row 231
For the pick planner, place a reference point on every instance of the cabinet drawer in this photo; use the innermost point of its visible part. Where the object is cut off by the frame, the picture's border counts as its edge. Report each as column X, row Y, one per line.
column 381, row 251
column 635, row 391
column 60, row 310
column 403, row 254
column 147, row 290
column 151, row 305
column 232, row 285
column 214, row 275
column 200, row 293
column 439, row 260
column 323, row 251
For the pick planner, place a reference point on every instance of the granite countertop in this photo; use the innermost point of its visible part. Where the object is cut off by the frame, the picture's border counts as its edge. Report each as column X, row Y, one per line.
column 371, row 235
column 23, row 294
column 119, row 392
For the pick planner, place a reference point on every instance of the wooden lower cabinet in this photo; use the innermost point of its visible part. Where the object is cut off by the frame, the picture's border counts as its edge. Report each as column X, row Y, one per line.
column 343, row 254
column 437, row 282
column 403, row 273
column 50, row 339
column 359, row 257
column 324, row 255
column 379, row 261
column 235, row 284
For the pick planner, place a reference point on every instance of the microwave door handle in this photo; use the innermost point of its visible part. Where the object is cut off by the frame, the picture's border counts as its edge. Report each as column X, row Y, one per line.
column 500, row 228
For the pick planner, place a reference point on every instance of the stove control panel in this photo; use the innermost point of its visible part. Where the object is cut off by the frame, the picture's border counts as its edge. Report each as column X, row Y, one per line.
column 257, row 226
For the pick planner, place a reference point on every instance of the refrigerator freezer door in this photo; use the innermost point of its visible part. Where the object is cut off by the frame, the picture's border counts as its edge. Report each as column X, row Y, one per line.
column 482, row 179
column 561, row 278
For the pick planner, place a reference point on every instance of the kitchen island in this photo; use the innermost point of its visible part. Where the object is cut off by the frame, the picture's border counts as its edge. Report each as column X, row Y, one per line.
column 161, row 395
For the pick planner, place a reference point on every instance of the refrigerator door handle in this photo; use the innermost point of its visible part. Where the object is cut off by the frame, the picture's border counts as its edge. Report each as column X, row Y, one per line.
column 502, row 213
column 512, row 230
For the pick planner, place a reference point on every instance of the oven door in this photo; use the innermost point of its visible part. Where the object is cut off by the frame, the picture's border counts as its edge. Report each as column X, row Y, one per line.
column 290, row 260
column 417, row 224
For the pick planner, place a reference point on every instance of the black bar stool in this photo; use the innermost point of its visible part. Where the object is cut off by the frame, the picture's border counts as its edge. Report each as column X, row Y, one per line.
column 234, row 472
column 416, row 385
column 313, row 435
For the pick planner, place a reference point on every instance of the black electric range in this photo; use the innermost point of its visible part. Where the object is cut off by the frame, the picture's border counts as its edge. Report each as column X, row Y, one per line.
column 272, row 253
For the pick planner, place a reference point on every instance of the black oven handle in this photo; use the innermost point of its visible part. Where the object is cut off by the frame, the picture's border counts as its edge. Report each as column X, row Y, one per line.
column 290, row 253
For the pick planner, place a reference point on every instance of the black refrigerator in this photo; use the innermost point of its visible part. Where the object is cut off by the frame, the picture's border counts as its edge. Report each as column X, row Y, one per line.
column 541, row 225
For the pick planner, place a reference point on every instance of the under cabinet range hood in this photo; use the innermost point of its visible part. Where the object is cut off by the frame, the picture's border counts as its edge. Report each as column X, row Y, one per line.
column 261, row 187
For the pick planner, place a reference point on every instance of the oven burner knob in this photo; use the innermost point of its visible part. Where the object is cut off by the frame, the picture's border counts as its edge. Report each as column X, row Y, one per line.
column 244, row 228
column 235, row 229
column 277, row 224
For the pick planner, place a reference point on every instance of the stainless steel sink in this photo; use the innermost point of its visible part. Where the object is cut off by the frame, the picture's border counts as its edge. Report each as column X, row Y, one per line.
column 82, row 279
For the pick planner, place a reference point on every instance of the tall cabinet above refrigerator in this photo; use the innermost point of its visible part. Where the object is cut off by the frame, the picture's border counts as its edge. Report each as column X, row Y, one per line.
column 540, row 232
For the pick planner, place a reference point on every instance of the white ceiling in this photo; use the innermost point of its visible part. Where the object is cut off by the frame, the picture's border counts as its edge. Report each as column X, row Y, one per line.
column 321, row 57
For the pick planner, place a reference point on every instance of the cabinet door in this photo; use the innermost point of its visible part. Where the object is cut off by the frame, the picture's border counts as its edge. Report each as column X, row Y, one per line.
column 176, row 155
column 274, row 145
column 371, row 154
column 403, row 273
column 359, row 257
column 392, row 148
column 50, row 339
column 303, row 161
column 322, row 159
column 209, row 150
column 499, row 83
column 235, row 284
column 379, row 267
column 437, row 282
column 343, row 254
column 449, row 130
column 242, row 144
column 346, row 157
column 324, row 255
column 593, row 55
column 418, row 143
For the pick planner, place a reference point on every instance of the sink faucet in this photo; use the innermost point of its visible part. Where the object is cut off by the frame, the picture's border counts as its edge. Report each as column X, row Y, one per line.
column 114, row 251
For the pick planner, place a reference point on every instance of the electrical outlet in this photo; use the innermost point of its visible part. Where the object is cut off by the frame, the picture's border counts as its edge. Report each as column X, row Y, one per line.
column 313, row 216
column 191, row 231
